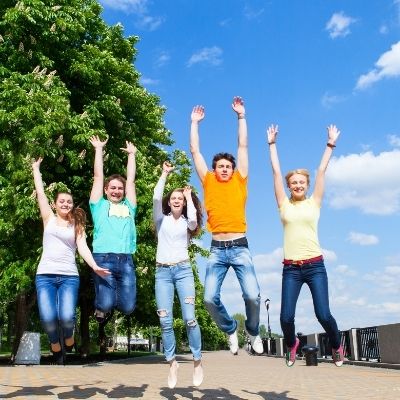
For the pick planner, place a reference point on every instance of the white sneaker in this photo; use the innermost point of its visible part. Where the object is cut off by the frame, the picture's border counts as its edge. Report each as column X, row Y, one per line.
column 234, row 343
column 198, row 374
column 257, row 344
column 173, row 374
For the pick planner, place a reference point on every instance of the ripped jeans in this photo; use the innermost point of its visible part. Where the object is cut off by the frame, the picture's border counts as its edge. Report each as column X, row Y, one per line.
column 179, row 276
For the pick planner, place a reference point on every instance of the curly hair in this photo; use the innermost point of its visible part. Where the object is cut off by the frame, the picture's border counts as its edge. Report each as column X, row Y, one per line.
column 166, row 209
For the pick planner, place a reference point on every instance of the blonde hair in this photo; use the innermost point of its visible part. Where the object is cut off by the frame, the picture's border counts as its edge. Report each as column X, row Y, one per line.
column 300, row 171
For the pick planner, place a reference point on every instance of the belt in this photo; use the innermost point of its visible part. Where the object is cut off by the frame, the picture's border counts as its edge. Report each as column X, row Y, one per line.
column 230, row 243
column 301, row 262
column 172, row 264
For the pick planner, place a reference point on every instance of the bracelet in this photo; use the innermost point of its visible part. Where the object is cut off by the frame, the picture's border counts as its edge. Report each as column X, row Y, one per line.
column 271, row 143
column 241, row 116
column 332, row 146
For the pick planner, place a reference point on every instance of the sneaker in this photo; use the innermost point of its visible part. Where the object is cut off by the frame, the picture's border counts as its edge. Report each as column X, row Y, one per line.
column 338, row 356
column 256, row 344
column 198, row 374
column 173, row 374
column 233, row 343
column 291, row 353
column 58, row 358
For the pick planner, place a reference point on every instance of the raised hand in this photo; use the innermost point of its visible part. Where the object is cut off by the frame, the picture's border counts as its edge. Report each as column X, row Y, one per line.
column 187, row 192
column 36, row 163
column 130, row 148
column 238, row 105
column 96, row 142
column 197, row 113
column 272, row 133
column 333, row 134
column 167, row 167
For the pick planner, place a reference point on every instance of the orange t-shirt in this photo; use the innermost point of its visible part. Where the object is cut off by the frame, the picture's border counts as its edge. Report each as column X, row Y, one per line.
column 225, row 203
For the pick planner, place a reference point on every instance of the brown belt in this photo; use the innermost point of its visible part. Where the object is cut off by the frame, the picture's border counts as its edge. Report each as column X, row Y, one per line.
column 302, row 262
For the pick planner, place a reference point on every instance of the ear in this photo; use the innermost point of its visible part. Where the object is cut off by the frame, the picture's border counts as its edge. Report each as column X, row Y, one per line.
column 52, row 205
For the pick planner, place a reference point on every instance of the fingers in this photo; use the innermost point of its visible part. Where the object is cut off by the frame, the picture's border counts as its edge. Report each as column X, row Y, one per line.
column 197, row 113
column 167, row 166
column 272, row 129
column 238, row 100
column 130, row 148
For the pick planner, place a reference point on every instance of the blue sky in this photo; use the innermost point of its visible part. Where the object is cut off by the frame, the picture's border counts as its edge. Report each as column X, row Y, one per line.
column 302, row 65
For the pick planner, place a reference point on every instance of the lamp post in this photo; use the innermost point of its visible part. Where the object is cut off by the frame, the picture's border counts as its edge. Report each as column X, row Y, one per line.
column 267, row 301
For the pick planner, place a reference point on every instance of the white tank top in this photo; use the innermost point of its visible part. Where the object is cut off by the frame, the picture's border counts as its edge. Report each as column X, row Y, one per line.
column 59, row 247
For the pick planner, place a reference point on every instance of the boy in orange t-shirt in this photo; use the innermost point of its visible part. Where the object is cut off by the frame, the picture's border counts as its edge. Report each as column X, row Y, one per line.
column 225, row 195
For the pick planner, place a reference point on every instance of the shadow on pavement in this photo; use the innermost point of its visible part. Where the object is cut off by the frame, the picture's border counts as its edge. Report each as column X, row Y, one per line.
column 77, row 392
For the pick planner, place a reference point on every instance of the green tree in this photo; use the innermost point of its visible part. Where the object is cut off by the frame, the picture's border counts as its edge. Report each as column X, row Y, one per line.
column 64, row 76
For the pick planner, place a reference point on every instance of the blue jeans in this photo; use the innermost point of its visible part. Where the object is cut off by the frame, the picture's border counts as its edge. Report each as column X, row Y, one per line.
column 57, row 296
column 179, row 276
column 117, row 290
column 239, row 258
column 314, row 275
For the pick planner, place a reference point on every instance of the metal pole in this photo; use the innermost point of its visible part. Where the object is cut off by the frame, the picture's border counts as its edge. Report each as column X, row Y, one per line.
column 267, row 301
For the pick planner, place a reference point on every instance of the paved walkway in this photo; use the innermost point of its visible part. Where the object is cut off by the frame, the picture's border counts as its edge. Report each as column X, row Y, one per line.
column 226, row 377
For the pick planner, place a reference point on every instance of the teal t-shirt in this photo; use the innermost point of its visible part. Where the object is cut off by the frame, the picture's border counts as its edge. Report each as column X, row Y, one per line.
column 114, row 226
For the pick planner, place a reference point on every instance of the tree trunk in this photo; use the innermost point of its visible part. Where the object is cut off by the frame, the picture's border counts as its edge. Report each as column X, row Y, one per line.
column 23, row 305
column 84, row 325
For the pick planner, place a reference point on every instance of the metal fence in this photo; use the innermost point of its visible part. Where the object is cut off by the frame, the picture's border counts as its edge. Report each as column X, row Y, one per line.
column 326, row 347
column 368, row 344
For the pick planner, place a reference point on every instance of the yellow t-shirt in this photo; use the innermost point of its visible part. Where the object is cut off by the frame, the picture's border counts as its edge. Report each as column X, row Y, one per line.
column 225, row 203
column 300, row 229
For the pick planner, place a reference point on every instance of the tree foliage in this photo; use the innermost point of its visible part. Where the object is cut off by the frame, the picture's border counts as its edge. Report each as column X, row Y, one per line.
column 64, row 76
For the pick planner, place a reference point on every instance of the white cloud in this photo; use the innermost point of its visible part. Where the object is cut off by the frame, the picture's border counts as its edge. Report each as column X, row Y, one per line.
column 345, row 270
column 150, row 23
column 207, row 55
column 329, row 255
column 133, row 6
column 394, row 140
column 362, row 239
column 162, row 59
column 139, row 8
column 251, row 13
column 387, row 66
column 270, row 260
column 225, row 22
column 387, row 281
column 329, row 100
column 148, row 81
column 365, row 181
column 383, row 29
column 338, row 25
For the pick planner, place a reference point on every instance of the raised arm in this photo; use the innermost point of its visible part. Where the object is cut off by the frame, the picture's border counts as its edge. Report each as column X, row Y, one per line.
column 199, row 162
column 191, row 210
column 43, row 201
column 242, row 155
column 279, row 188
column 167, row 168
column 98, row 175
column 333, row 134
column 130, row 188
column 86, row 254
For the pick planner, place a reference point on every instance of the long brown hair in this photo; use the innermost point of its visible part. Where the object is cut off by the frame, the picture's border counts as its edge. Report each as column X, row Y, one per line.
column 166, row 209
column 76, row 217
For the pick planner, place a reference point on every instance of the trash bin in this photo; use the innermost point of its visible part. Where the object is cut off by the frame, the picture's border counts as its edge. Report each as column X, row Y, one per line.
column 28, row 352
column 310, row 353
